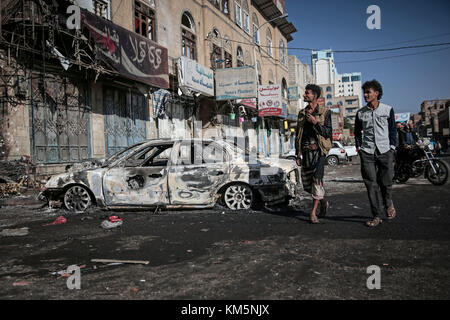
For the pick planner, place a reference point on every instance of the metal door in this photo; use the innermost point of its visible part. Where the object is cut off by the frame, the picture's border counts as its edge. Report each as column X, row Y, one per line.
column 125, row 119
column 59, row 113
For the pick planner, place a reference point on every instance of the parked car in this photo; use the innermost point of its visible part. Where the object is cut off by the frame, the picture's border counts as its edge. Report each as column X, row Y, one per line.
column 350, row 150
column 336, row 155
column 175, row 174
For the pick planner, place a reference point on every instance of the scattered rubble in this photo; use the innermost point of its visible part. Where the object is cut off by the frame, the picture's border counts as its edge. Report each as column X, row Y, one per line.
column 120, row 261
column 112, row 222
column 59, row 220
column 15, row 232
column 16, row 176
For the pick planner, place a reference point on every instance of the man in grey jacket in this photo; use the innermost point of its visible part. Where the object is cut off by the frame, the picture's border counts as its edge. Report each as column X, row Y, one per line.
column 376, row 138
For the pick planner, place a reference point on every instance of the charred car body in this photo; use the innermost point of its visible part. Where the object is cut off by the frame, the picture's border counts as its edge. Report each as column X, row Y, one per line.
column 176, row 174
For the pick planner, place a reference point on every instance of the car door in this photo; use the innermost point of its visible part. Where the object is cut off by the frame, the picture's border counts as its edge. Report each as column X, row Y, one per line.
column 140, row 179
column 200, row 168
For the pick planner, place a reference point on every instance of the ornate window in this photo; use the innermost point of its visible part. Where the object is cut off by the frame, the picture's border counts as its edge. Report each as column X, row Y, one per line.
column 144, row 20
column 216, row 50
column 188, row 39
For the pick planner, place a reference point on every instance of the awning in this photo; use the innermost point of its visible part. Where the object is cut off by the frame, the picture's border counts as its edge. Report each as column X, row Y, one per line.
column 132, row 55
column 271, row 11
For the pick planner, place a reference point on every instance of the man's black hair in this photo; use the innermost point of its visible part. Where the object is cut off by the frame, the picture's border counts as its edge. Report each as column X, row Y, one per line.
column 315, row 89
column 375, row 85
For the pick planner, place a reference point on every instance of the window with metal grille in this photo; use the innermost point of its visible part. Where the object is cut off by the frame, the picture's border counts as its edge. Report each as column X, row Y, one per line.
column 144, row 20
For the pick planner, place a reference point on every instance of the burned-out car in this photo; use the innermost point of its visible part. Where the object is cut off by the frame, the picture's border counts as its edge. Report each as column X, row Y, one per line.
column 169, row 173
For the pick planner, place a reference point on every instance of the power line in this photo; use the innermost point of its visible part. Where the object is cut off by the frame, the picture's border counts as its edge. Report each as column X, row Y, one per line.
column 396, row 56
column 342, row 51
column 407, row 41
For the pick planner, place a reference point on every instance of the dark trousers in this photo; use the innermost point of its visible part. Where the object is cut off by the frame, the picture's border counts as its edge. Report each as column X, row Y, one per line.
column 377, row 172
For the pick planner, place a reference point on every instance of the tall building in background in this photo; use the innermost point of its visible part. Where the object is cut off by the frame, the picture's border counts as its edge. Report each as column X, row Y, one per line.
column 323, row 67
column 349, row 84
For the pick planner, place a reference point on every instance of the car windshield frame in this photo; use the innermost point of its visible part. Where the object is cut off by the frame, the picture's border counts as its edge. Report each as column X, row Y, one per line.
column 123, row 153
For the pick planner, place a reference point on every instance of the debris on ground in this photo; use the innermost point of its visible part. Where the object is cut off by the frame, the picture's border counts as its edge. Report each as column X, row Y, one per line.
column 119, row 261
column 59, row 220
column 15, row 232
column 63, row 273
column 21, row 283
column 112, row 222
column 16, row 175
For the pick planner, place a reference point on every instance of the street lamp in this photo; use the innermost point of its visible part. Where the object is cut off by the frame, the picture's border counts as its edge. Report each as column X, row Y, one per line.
column 254, row 62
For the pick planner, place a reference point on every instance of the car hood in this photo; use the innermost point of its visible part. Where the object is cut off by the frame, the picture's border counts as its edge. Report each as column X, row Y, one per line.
column 284, row 164
column 87, row 177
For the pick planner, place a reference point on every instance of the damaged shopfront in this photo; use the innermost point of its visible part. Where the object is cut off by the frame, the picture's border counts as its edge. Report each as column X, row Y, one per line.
column 70, row 95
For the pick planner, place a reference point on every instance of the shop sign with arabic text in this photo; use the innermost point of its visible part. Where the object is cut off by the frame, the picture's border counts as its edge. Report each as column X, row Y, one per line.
column 132, row 55
column 270, row 101
column 235, row 83
column 196, row 77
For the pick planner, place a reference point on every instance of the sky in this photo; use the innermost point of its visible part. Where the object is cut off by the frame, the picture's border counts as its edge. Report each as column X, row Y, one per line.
column 341, row 25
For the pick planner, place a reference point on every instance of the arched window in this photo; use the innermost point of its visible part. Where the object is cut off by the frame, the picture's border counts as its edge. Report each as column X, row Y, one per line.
column 240, row 57
column 217, row 61
column 328, row 88
column 282, row 53
column 188, row 47
column 255, row 28
column 329, row 96
column 269, row 42
column 329, row 104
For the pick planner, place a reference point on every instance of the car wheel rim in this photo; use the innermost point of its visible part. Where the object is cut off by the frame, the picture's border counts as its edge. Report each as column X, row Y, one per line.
column 238, row 197
column 77, row 199
column 332, row 161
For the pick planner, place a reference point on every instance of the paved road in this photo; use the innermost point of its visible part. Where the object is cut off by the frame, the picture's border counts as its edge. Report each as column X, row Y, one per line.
column 219, row 254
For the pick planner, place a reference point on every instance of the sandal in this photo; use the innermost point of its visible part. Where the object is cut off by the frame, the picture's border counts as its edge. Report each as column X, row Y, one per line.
column 323, row 209
column 373, row 223
column 314, row 220
column 391, row 213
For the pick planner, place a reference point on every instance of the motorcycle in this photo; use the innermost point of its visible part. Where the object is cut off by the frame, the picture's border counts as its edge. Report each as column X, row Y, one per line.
column 420, row 161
